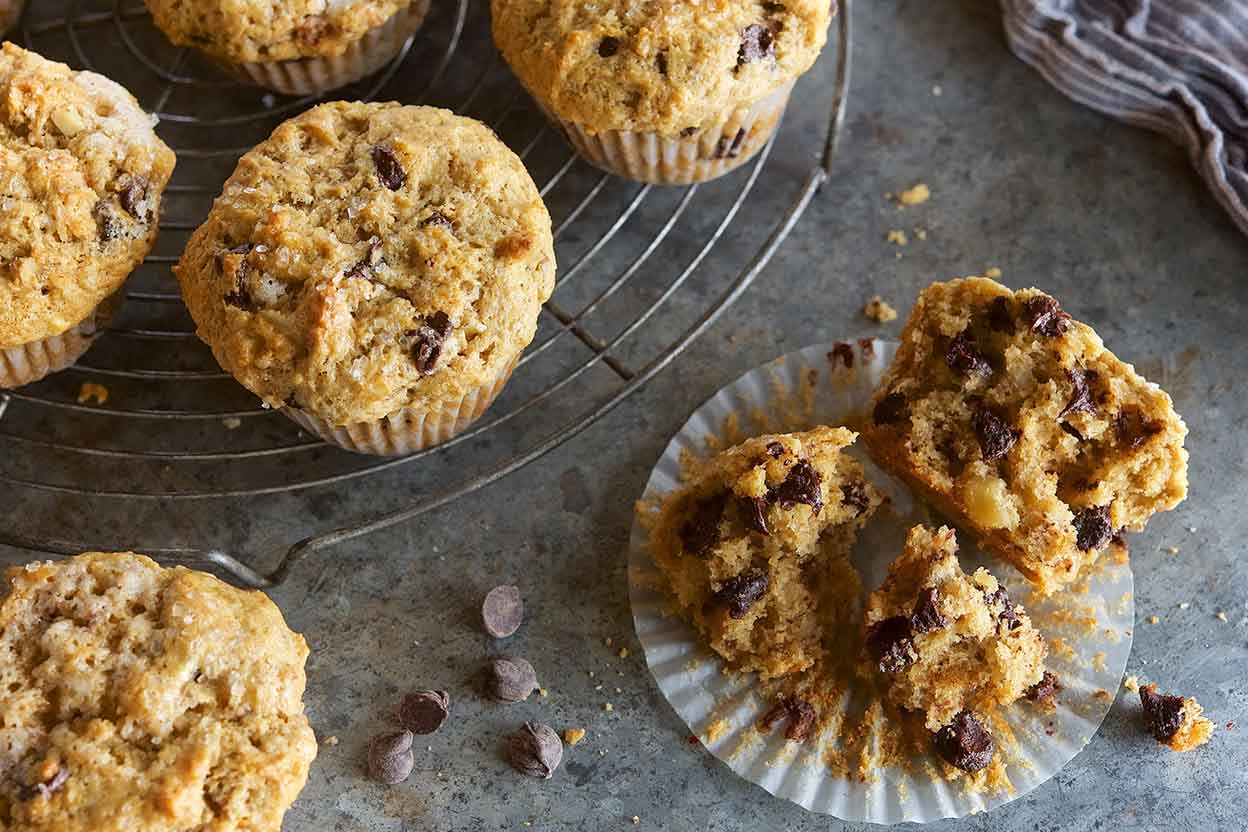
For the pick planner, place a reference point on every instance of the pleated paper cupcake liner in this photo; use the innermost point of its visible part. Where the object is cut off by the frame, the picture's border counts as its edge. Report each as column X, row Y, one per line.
column 409, row 430
column 28, row 363
column 312, row 76
column 708, row 152
column 1089, row 629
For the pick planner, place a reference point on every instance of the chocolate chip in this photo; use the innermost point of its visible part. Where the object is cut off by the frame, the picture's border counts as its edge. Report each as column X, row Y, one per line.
column 1001, row 316
column 688, row 131
column 390, row 758
column 964, row 357
column 367, row 268
column 133, row 195
column 427, row 340
column 1045, row 316
column 889, row 409
column 1163, row 714
column 757, row 42
column 1080, row 393
column 660, row 61
column 109, row 226
column 730, row 148
column 1072, row 430
column 1133, row 429
column 800, row 713
column 1008, row 614
column 740, row 593
column 437, row 219
column 890, row 644
column 775, row 450
column 424, row 711
column 1044, row 690
column 510, row 679
column 502, row 611
column 996, row 438
column 753, row 511
column 964, row 743
column 535, row 750
column 1092, row 529
column 608, row 46
column 843, row 352
column 855, row 495
column 701, row 531
column 800, row 486
column 926, row 615
column 389, row 169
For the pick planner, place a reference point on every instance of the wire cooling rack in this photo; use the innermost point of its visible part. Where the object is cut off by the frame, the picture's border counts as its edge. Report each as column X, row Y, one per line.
column 182, row 463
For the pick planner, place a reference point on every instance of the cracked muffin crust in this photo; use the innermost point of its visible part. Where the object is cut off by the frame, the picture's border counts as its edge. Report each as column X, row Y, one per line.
column 81, row 177
column 369, row 258
column 1016, row 421
column 140, row 699
column 753, row 543
column 947, row 643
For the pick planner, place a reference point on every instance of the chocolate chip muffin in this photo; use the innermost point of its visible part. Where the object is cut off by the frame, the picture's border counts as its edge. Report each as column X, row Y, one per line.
column 83, row 173
column 1017, row 422
column 668, row 93
column 140, row 699
column 375, row 270
column 755, row 548
column 949, row 645
column 297, row 47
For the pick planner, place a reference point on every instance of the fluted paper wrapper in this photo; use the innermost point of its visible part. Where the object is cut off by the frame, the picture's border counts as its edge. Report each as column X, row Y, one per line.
column 28, row 363
column 796, row 392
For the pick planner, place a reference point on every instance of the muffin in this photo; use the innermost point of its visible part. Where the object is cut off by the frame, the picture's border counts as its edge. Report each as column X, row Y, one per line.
column 10, row 13
column 668, row 93
column 374, row 270
column 140, row 699
column 1015, row 421
column 755, row 547
column 296, row 47
column 83, row 173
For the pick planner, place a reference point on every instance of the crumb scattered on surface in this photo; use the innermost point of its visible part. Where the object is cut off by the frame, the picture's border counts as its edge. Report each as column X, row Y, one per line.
column 921, row 233
column 993, row 272
column 1221, row 616
column 1103, row 695
column 917, row 195
column 1174, row 550
column 1184, row 605
column 572, row 736
column 542, row 692
column 623, row 654
column 716, row 730
column 636, row 821
column 331, row 740
column 608, row 707
column 92, row 392
column 897, row 236
column 879, row 310
column 1131, row 683
column 232, row 423
column 1098, row 662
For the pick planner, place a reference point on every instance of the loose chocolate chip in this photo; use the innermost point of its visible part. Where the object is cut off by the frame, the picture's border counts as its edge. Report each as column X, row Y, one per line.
column 740, row 593
column 843, row 352
column 535, row 750
column 1008, row 614
column 660, row 61
column 389, row 168
column 1092, row 529
column 753, row 512
column 926, row 615
column 996, row 439
column 757, row 42
column 608, row 46
column 1045, row 316
column 855, row 494
column 427, row 341
column 109, row 226
column 889, row 409
column 800, row 713
column 1163, row 714
column 964, row 357
column 1072, row 430
column 424, row 711
column 390, row 758
column 1133, row 429
column 132, row 197
column 701, row 531
column 964, row 743
column 510, row 679
column 800, row 486
column 890, row 644
column 730, row 148
column 438, row 219
column 502, row 611
column 775, row 450
column 1044, row 690
column 1080, row 393
column 1000, row 316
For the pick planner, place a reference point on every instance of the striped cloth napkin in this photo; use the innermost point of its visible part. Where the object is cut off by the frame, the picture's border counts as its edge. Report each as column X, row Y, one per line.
column 1179, row 67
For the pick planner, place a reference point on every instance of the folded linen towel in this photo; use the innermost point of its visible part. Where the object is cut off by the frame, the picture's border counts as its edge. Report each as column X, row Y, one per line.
column 1179, row 67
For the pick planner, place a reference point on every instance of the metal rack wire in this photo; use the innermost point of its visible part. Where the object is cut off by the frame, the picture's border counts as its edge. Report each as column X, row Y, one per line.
column 177, row 430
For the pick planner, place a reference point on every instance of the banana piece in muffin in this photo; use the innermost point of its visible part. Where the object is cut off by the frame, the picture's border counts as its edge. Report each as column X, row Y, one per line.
column 1015, row 421
column 752, row 545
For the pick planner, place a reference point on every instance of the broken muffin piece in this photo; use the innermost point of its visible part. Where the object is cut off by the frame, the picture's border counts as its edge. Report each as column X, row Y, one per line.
column 757, row 542
column 949, row 645
column 1175, row 721
column 1015, row 420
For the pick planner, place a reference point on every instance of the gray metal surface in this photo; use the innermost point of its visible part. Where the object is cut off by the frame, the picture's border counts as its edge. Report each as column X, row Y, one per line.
column 1108, row 218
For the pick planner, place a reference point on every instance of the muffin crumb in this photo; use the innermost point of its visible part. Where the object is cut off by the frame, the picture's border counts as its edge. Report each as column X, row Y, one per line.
column 879, row 310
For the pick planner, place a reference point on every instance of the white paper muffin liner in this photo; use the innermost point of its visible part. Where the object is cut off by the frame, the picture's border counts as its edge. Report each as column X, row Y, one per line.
column 10, row 13
column 710, row 152
column 312, row 76
column 690, row 677
column 409, row 430
column 28, row 363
